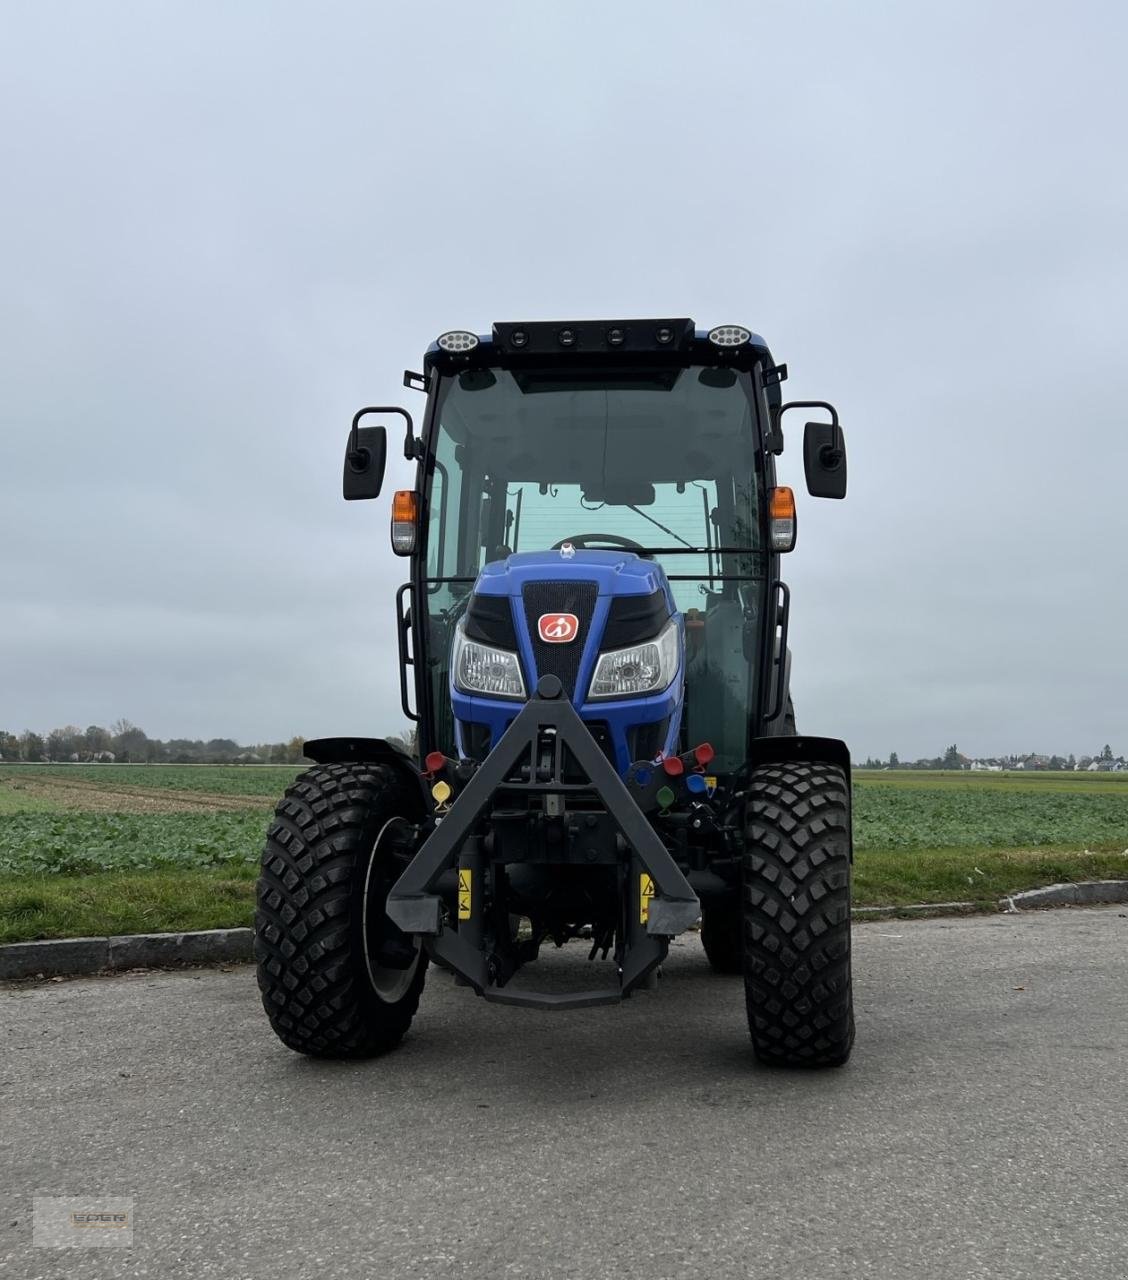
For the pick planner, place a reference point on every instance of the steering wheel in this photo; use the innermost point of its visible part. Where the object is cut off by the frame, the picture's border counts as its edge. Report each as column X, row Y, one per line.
column 580, row 542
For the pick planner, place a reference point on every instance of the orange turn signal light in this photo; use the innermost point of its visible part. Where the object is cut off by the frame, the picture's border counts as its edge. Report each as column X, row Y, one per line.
column 781, row 518
column 781, row 505
column 403, row 505
column 405, row 508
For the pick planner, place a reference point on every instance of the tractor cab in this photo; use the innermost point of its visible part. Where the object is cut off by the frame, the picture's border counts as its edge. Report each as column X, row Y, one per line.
column 648, row 440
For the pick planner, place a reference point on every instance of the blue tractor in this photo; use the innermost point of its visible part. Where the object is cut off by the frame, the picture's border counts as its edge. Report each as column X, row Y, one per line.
column 593, row 648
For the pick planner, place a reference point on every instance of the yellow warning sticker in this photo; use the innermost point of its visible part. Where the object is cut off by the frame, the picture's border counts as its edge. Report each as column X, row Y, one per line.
column 710, row 783
column 645, row 893
column 465, row 893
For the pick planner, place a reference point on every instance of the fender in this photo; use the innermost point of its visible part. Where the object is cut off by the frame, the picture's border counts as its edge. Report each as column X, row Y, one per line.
column 367, row 751
column 803, row 747
column 778, row 750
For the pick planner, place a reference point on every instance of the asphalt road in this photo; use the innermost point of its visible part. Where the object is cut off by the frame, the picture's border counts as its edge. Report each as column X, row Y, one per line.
column 981, row 1128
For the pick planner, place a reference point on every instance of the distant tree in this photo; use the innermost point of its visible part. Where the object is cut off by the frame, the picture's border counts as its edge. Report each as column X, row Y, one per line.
column 1106, row 752
column 31, row 746
column 894, row 763
column 1071, row 763
column 96, row 739
column 9, row 746
column 293, row 751
column 951, row 758
column 129, row 742
column 64, row 743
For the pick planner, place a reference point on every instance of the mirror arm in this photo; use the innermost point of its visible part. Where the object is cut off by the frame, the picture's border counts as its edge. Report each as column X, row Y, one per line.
column 831, row 455
column 358, row 458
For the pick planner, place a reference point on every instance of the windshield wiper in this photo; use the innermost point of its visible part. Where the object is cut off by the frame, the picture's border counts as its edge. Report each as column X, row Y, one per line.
column 658, row 524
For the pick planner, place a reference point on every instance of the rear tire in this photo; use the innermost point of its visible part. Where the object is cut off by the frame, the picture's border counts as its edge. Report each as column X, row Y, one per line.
column 721, row 922
column 720, row 934
column 796, row 915
column 338, row 979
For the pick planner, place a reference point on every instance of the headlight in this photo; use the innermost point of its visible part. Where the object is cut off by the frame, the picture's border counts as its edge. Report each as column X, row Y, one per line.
column 643, row 668
column 480, row 668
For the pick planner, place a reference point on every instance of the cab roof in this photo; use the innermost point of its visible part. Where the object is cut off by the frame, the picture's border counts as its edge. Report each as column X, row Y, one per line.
column 584, row 342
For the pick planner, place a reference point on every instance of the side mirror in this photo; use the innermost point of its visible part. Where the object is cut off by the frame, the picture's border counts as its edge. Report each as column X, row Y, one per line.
column 365, row 458
column 824, row 459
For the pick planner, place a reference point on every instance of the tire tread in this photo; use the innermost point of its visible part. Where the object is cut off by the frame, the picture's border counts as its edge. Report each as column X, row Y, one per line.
column 308, row 940
column 796, row 915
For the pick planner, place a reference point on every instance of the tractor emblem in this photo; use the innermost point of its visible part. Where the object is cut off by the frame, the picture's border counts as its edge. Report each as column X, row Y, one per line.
column 558, row 628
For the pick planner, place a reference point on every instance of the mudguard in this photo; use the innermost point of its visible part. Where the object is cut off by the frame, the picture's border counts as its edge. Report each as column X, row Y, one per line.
column 367, row 751
column 779, row 749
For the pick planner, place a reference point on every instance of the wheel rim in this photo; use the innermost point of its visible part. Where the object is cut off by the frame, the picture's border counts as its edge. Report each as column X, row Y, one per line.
column 389, row 984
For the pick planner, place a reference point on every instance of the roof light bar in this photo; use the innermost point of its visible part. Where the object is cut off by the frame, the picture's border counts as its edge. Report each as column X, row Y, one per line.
column 591, row 337
column 729, row 335
column 458, row 341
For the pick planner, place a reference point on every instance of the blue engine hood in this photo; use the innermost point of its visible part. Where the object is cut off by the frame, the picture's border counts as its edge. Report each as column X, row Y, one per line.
column 618, row 573
column 615, row 574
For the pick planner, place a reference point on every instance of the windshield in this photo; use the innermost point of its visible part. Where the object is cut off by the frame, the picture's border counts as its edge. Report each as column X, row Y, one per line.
column 663, row 462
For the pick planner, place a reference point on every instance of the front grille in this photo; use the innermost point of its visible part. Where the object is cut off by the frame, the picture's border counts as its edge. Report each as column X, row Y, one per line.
column 561, row 660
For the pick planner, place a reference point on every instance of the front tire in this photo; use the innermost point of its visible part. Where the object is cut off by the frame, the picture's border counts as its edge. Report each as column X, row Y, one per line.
column 796, row 915
column 338, row 979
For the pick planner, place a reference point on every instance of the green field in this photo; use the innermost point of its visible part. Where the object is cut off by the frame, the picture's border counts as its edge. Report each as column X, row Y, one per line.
column 125, row 848
column 266, row 780
column 923, row 810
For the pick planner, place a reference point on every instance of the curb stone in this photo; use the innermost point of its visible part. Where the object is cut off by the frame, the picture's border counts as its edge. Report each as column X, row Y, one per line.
column 64, row 957
column 920, row 908
column 67, row 956
column 1086, row 893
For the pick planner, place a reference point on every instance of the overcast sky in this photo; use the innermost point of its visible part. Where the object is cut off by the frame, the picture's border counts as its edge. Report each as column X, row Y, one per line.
column 227, row 225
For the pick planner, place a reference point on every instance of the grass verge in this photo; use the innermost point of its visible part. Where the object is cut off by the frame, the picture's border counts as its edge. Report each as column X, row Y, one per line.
column 68, row 906
column 899, row 877
column 170, row 901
